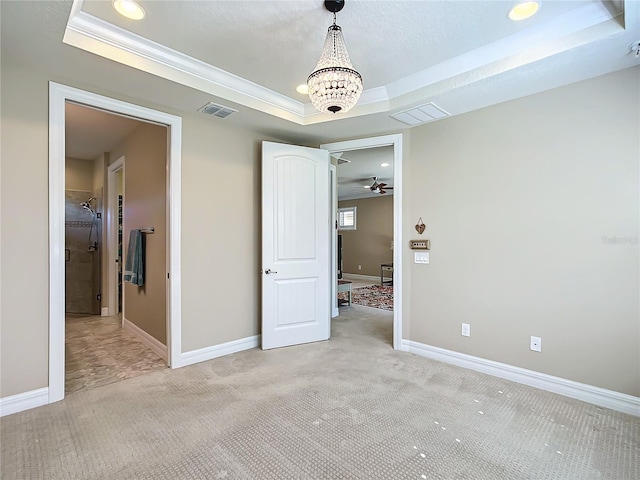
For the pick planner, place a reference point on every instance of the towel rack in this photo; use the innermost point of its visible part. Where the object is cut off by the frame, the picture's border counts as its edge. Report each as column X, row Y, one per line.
column 148, row 230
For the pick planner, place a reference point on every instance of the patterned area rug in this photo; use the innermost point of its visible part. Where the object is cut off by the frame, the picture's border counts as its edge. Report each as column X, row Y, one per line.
column 373, row 296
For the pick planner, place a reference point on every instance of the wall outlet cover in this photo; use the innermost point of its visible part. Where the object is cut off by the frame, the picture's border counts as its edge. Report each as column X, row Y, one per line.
column 536, row 344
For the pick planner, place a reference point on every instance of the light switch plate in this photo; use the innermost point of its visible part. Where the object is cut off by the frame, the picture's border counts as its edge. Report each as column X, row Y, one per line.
column 421, row 257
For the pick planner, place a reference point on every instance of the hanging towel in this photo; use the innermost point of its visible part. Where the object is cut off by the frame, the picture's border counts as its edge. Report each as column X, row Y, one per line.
column 134, row 266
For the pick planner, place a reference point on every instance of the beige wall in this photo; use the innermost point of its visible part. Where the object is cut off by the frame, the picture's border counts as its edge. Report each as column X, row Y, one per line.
column 145, row 177
column 517, row 231
column 522, row 202
column 78, row 174
column 220, row 229
column 370, row 244
column 99, row 166
column 221, row 233
column 25, row 255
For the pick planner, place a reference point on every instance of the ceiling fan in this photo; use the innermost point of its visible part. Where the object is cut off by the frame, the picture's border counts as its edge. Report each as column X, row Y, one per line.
column 380, row 188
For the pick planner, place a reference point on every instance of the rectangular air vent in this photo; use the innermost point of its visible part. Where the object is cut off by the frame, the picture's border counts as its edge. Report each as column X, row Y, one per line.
column 419, row 115
column 217, row 110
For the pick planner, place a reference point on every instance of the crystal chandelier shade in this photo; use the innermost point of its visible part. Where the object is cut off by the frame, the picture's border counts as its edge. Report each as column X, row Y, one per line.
column 334, row 86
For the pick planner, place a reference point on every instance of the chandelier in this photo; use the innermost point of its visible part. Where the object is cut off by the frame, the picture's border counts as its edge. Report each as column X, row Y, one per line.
column 334, row 86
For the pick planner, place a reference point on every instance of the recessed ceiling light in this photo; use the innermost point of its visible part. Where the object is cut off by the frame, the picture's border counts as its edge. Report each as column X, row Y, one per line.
column 129, row 9
column 385, row 164
column 303, row 89
column 524, row 10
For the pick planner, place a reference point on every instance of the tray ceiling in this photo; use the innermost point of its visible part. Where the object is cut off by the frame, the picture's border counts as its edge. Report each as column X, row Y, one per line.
column 254, row 53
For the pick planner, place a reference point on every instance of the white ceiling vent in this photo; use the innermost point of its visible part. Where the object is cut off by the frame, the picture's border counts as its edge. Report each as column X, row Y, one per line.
column 217, row 110
column 419, row 115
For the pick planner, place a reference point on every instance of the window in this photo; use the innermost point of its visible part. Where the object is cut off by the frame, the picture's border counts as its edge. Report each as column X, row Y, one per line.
column 347, row 218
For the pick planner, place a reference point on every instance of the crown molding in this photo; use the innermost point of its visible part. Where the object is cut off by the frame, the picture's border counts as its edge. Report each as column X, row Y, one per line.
column 107, row 40
column 510, row 51
column 562, row 33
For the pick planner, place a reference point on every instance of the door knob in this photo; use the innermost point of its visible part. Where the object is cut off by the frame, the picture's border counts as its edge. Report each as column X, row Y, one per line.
column 268, row 271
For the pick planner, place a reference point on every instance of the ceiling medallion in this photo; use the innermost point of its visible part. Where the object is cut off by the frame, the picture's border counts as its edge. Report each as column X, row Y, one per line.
column 334, row 86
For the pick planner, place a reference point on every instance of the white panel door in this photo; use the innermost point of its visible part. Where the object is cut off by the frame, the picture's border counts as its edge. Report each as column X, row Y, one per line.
column 296, row 239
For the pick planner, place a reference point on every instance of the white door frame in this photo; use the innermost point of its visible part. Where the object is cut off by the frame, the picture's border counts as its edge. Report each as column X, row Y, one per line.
column 335, row 311
column 58, row 96
column 112, row 235
column 384, row 141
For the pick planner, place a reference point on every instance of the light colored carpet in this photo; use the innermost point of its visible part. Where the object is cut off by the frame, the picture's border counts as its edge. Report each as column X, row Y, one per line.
column 348, row 408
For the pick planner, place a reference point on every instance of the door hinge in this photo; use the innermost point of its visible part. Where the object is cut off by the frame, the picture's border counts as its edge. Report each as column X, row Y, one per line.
column 167, row 274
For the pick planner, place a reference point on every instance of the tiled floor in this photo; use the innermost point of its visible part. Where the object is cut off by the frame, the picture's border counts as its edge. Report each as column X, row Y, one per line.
column 99, row 351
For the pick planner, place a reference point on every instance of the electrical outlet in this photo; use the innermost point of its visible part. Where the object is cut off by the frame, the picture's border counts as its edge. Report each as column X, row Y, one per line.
column 536, row 344
column 359, row 267
column 466, row 330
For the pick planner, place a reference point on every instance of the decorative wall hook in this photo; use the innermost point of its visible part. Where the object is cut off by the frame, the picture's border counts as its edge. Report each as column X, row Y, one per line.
column 420, row 226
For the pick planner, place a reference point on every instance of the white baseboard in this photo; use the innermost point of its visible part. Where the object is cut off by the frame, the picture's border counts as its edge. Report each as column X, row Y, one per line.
column 369, row 278
column 104, row 312
column 151, row 342
column 24, row 401
column 208, row 353
column 587, row 393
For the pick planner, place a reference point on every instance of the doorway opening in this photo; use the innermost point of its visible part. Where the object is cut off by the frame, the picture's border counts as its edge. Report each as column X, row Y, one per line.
column 365, row 227
column 168, row 235
column 369, row 216
column 104, row 344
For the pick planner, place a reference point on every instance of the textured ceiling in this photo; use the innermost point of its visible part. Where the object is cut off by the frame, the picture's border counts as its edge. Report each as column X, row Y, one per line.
column 551, row 51
column 255, row 53
column 90, row 132
column 359, row 171
column 277, row 43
